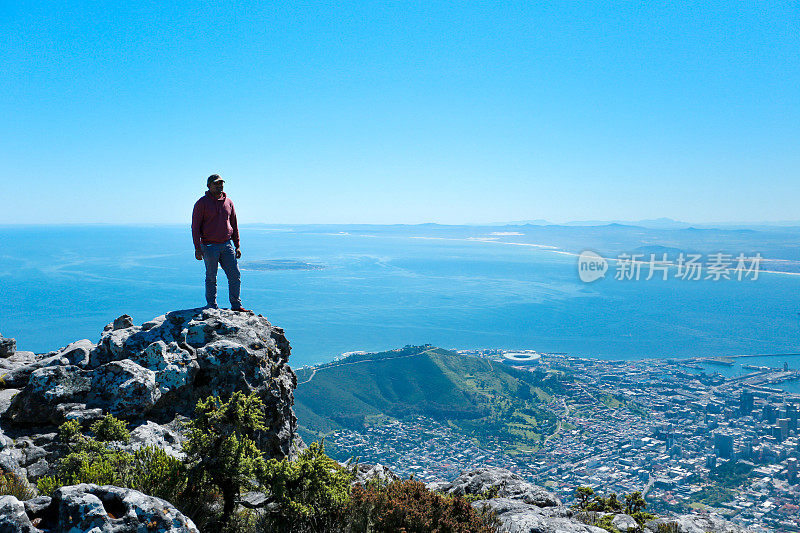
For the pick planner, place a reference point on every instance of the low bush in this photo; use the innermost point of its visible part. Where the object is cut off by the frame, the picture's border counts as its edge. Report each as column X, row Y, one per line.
column 12, row 485
column 220, row 449
column 149, row 469
column 311, row 492
column 409, row 506
column 109, row 429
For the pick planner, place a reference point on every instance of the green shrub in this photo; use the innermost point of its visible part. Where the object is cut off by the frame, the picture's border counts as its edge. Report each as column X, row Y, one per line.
column 70, row 432
column 583, row 494
column 47, row 485
column 88, row 466
column 605, row 523
column 221, row 449
column 110, row 428
column 634, row 503
column 312, row 492
column 157, row 473
column 149, row 470
column 642, row 517
column 485, row 495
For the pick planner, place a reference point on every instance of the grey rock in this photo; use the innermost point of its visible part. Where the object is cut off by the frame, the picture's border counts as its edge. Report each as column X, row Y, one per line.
column 31, row 452
column 47, row 388
column 13, row 518
column 17, row 454
column 6, row 395
column 9, row 463
column 162, row 369
column 78, row 411
column 160, row 436
column 506, row 483
column 38, row 469
column 17, row 371
column 696, row 523
column 18, row 359
column 114, row 509
column 122, row 322
column 365, row 473
column 40, row 439
column 438, row 486
column 10, row 366
column 77, row 353
column 5, row 441
column 7, row 347
column 37, row 505
column 79, row 510
column 254, row 500
column 624, row 523
column 516, row 516
column 124, row 389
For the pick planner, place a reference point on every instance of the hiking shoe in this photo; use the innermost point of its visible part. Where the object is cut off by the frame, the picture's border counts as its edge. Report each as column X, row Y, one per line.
column 241, row 310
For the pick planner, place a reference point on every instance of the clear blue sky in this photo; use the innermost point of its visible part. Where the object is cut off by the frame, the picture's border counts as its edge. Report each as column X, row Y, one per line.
column 407, row 112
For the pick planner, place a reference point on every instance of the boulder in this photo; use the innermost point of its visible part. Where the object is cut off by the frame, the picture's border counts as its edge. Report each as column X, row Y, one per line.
column 79, row 412
column 77, row 353
column 9, row 463
column 85, row 507
column 696, row 523
column 16, row 369
column 38, row 469
column 13, row 518
column 7, row 346
column 160, row 369
column 31, row 453
column 5, row 441
column 625, row 523
column 516, row 516
column 504, row 484
column 254, row 500
column 37, row 505
column 124, row 389
column 6, row 395
column 47, row 388
column 166, row 437
column 122, row 322
column 365, row 473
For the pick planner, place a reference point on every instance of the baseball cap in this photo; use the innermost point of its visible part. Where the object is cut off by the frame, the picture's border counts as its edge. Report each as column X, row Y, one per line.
column 214, row 178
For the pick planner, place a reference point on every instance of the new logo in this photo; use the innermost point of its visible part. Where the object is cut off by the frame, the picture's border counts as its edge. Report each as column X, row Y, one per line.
column 591, row 266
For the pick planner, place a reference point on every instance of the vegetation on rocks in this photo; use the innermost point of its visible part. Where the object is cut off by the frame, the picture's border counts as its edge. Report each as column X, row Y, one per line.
column 312, row 493
column 407, row 505
column 221, row 449
column 599, row 511
column 13, row 485
column 94, row 460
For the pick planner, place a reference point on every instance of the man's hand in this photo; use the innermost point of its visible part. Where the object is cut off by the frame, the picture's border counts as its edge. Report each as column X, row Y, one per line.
column 238, row 253
column 198, row 254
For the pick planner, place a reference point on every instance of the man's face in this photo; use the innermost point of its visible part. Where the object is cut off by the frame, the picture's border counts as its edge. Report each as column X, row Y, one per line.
column 216, row 187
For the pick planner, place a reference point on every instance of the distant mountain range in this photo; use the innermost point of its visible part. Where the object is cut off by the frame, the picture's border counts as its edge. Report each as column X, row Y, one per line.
column 653, row 223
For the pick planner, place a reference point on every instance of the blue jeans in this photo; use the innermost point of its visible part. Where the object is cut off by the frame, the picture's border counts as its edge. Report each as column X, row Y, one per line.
column 222, row 254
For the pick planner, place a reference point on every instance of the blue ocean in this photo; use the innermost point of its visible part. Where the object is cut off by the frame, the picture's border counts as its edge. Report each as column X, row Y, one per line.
column 382, row 287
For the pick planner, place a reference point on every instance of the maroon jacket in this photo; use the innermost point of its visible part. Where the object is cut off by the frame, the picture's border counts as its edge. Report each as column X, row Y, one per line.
column 214, row 221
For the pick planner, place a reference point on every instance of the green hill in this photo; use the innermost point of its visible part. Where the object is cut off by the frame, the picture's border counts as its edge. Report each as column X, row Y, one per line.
column 477, row 397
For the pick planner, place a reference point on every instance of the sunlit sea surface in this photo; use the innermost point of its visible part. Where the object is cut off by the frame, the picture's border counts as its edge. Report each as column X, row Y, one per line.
column 385, row 289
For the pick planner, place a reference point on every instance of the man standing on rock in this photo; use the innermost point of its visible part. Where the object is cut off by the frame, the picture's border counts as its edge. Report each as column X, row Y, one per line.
column 215, row 233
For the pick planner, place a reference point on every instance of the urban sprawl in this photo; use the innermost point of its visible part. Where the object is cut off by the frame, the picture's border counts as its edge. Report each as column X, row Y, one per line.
column 685, row 436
